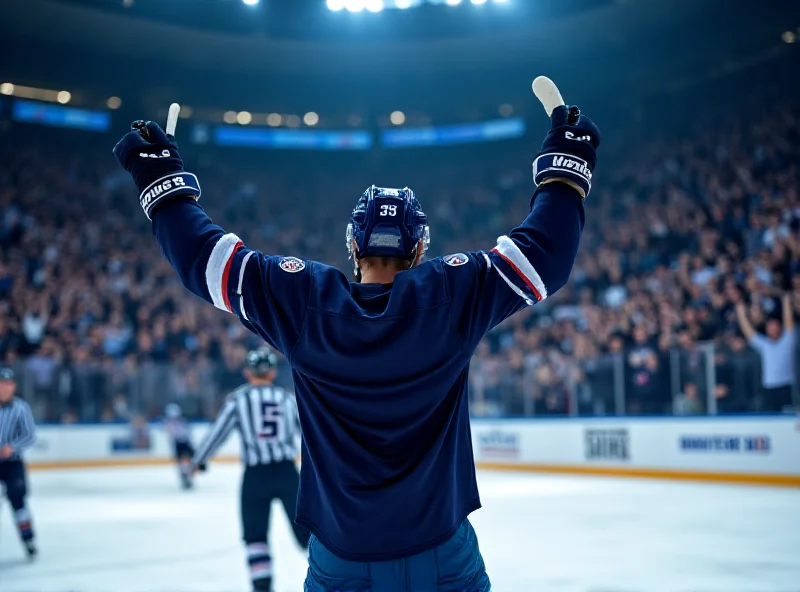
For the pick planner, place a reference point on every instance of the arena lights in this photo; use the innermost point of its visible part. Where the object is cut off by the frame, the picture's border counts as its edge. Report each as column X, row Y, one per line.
column 186, row 112
column 229, row 117
column 113, row 103
column 505, row 110
column 402, row 4
column 397, row 117
column 292, row 121
column 244, row 118
column 478, row 2
column 374, row 5
column 250, row 2
column 452, row 2
column 311, row 119
column 354, row 5
column 335, row 5
column 37, row 94
column 274, row 119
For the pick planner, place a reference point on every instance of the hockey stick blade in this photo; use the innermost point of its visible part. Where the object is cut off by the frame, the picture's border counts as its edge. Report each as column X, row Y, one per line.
column 172, row 119
column 547, row 92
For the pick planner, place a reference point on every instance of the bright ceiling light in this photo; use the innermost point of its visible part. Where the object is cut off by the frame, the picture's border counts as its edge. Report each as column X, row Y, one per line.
column 374, row 5
column 311, row 119
column 64, row 97
column 397, row 117
column 452, row 2
column 250, row 2
column 354, row 5
column 478, row 1
column 335, row 5
column 402, row 4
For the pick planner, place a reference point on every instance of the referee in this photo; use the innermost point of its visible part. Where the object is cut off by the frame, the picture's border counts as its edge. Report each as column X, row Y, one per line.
column 16, row 434
column 267, row 421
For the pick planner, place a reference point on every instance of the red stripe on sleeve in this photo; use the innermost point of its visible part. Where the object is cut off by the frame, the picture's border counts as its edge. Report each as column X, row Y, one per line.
column 226, row 273
column 520, row 274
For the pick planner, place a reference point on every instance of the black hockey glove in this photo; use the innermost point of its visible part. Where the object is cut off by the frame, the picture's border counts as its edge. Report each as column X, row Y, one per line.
column 152, row 159
column 569, row 150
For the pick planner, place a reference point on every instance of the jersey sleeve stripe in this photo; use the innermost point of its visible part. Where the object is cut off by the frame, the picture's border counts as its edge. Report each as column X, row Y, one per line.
column 510, row 253
column 241, row 284
column 514, row 287
column 218, row 269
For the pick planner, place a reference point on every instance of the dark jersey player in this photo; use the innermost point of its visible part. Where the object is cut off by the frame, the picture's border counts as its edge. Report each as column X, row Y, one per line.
column 380, row 365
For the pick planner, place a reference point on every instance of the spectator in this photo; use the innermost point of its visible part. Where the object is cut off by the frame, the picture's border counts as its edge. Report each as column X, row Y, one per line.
column 777, row 351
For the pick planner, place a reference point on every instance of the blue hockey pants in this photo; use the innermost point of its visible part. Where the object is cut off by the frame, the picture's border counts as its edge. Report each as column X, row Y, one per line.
column 454, row 566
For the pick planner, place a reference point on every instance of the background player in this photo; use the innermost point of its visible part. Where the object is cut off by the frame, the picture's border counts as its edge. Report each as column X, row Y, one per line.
column 180, row 431
column 380, row 366
column 16, row 434
column 266, row 417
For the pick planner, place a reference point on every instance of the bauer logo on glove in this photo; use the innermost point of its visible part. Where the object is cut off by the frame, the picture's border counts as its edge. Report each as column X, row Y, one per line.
column 151, row 157
column 569, row 150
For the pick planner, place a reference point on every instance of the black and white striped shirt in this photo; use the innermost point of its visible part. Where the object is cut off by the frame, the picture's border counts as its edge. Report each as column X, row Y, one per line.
column 16, row 427
column 266, row 417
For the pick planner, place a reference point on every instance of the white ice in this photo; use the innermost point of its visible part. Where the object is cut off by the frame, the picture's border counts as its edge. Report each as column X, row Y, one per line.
column 133, row 530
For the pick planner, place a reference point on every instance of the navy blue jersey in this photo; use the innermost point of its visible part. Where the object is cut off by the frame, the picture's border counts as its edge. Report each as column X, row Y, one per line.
column 380, row 371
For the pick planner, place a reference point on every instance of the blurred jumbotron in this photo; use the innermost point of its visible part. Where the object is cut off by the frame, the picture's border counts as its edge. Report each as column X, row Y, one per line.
column 638, row 432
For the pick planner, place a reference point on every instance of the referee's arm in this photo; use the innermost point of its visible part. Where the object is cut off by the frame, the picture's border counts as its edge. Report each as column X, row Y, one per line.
column 227, row 418
column 25, row 435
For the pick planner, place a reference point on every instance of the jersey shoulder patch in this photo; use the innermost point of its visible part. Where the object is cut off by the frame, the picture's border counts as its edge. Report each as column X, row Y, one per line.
column 292, row 264
column 456, row 259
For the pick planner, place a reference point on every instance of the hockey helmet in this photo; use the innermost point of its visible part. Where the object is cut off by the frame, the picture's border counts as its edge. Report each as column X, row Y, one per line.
column 387, row 223
column 260, row 361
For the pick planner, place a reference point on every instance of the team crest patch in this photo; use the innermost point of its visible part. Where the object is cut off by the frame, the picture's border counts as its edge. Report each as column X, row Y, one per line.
column 292, row 264
column 456, row 259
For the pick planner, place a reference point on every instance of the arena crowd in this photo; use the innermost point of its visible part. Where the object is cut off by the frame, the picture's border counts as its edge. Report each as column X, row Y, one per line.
column 682, row 301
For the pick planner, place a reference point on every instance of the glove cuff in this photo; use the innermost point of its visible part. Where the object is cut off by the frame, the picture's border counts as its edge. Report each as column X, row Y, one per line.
column 559, row 164
column 167, row 187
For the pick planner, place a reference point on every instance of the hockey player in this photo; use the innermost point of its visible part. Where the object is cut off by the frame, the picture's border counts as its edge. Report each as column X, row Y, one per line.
column 180, row 431
column 266, row 417
column 16, row 434
column 380, row 365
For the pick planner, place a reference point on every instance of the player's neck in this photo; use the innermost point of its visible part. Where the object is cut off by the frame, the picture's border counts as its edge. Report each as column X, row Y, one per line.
column 260, row 382
column 378, row 275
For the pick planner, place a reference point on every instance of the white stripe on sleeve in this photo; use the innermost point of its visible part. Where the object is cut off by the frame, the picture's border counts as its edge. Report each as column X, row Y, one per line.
column 241, row 283
column 219, row 263
column 509, row 250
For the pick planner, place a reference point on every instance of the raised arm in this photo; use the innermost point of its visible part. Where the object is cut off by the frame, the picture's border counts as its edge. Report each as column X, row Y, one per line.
column 788, row 313
column 744, row 322
column 536, row 258
column 212, row 264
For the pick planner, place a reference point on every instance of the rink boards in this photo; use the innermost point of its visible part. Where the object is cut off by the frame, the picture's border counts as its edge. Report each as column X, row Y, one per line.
column 748, row 449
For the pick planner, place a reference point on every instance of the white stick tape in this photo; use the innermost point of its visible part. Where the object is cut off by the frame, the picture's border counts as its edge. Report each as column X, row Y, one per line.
column 547, row 92
column 172, row 118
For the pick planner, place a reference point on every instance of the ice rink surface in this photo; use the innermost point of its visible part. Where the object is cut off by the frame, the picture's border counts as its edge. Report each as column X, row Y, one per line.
column 133, row 530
